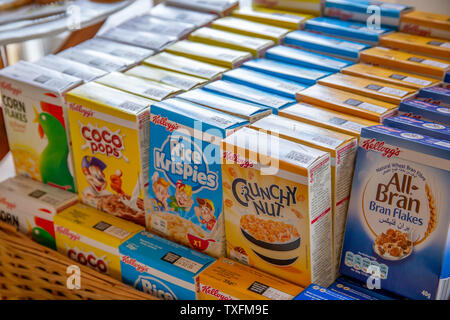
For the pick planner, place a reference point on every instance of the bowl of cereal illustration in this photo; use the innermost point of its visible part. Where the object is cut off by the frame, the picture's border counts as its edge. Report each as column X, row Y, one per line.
column 275, row 242
column 393, row 245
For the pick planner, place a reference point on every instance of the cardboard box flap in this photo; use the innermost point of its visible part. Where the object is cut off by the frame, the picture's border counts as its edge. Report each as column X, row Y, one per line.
column 199, row 19
column 95, row 59
column 157, row 25
column 289, row 20
column 428, row 128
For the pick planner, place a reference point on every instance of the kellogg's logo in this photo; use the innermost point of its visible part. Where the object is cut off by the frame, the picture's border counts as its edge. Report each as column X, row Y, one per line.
column 215, row 293
column 8, row 205
column 84, row 112
column 102, row 140
column 163, row 121
column 71, row 235
column 378, row 146
column 7, row 86
column 140, row 267
column 237, row 159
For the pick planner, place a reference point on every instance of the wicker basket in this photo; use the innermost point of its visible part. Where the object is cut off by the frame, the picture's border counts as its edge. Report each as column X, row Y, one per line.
column 31, row 271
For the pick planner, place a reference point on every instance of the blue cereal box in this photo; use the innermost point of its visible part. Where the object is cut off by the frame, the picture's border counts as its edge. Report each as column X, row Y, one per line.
column 346, row 29
column 436, row 95
column 316, row 292
column 359, row 291
column 398, row 223
column 323, row 44
column 161, row 267
column 361, row 10
column 243, row 92
column 265, row 82
column 185, row 174
column 306, row 59
column 425, row 111
column 427, row 128
column 286, row 71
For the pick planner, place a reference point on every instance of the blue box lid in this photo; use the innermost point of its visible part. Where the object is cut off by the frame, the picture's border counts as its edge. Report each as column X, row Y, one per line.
column 436, row 95
column 386, row 9
column 428, row 111
column 306, row 59
column 428, row 128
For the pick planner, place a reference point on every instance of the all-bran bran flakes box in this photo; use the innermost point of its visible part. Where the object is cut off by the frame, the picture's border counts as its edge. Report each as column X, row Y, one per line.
column 397, row 232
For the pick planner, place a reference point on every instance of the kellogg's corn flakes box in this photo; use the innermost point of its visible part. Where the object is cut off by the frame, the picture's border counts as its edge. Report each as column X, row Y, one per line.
column 277, row 200
column 36, row 122
column 397, row 233
column 110, row 141
column 185, row 173
column 161, row 267
column 92, row 238
column 226, row 279
column 30, row 206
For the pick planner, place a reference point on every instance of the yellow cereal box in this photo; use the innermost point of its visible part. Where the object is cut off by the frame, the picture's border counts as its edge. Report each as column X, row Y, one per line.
column 279, row 18
column 220, row 56
column 426, row 24
column 251, row 28
column 326, row 118
column 342, row 149
column 277, row 204
column 310, row 6
column 92, row 238
column 347, row 102
column 367, row 87
column 256, row 46
column 433, row 47
column 110, row 137
column 391, row 76
column 225, row 279
column 409, row 62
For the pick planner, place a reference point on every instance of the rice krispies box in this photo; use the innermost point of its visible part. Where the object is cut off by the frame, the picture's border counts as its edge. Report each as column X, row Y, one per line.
column 161, row 267
column 185, row 172
column 110, row 143
column 398, row 224
column 34, row 108
column 277, row 201
column 30, row 206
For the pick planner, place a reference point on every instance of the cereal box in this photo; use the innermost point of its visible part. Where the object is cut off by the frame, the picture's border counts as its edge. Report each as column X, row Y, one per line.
column 185, row 170
column 389, row 13
column 144, row 39
column 256, row 46
column 398, row 222
column 199, row 19
column 359, row 291
column 264, row 82
column 243, row 92
column 221, row 8
column 326, row 45
column 236, row 107
column 325, row 118
column 71, row 68
column 277, row 200
column 306, row 59
column 347, row 102
column 436, row 95
column 433, row 47
column 279, row 18
column 92, row 238
column 174, row 79
column 391, row 76
column 309, row 6
column 96, row 59
column 287, row 71
column 224, row 57
column 425, row 111
column 132, row 53
column 110, row 137
column 349, row 30
column 161, row 267
column 409, row 62
column 184, row 65
column 30, row 206
column 316, row 292
column 367, row 87
column 423, row 127
column 146, row 88
column 426, row 24
column 230, row 280
column 251, row 28
column 342, row 149
column 36, row 122
column 159, row 26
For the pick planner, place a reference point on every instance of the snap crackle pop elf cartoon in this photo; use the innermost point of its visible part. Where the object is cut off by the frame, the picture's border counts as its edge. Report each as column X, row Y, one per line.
column 185, row 169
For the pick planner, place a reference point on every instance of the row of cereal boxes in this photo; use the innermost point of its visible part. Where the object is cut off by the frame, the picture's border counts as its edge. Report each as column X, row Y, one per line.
column 273, row 196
